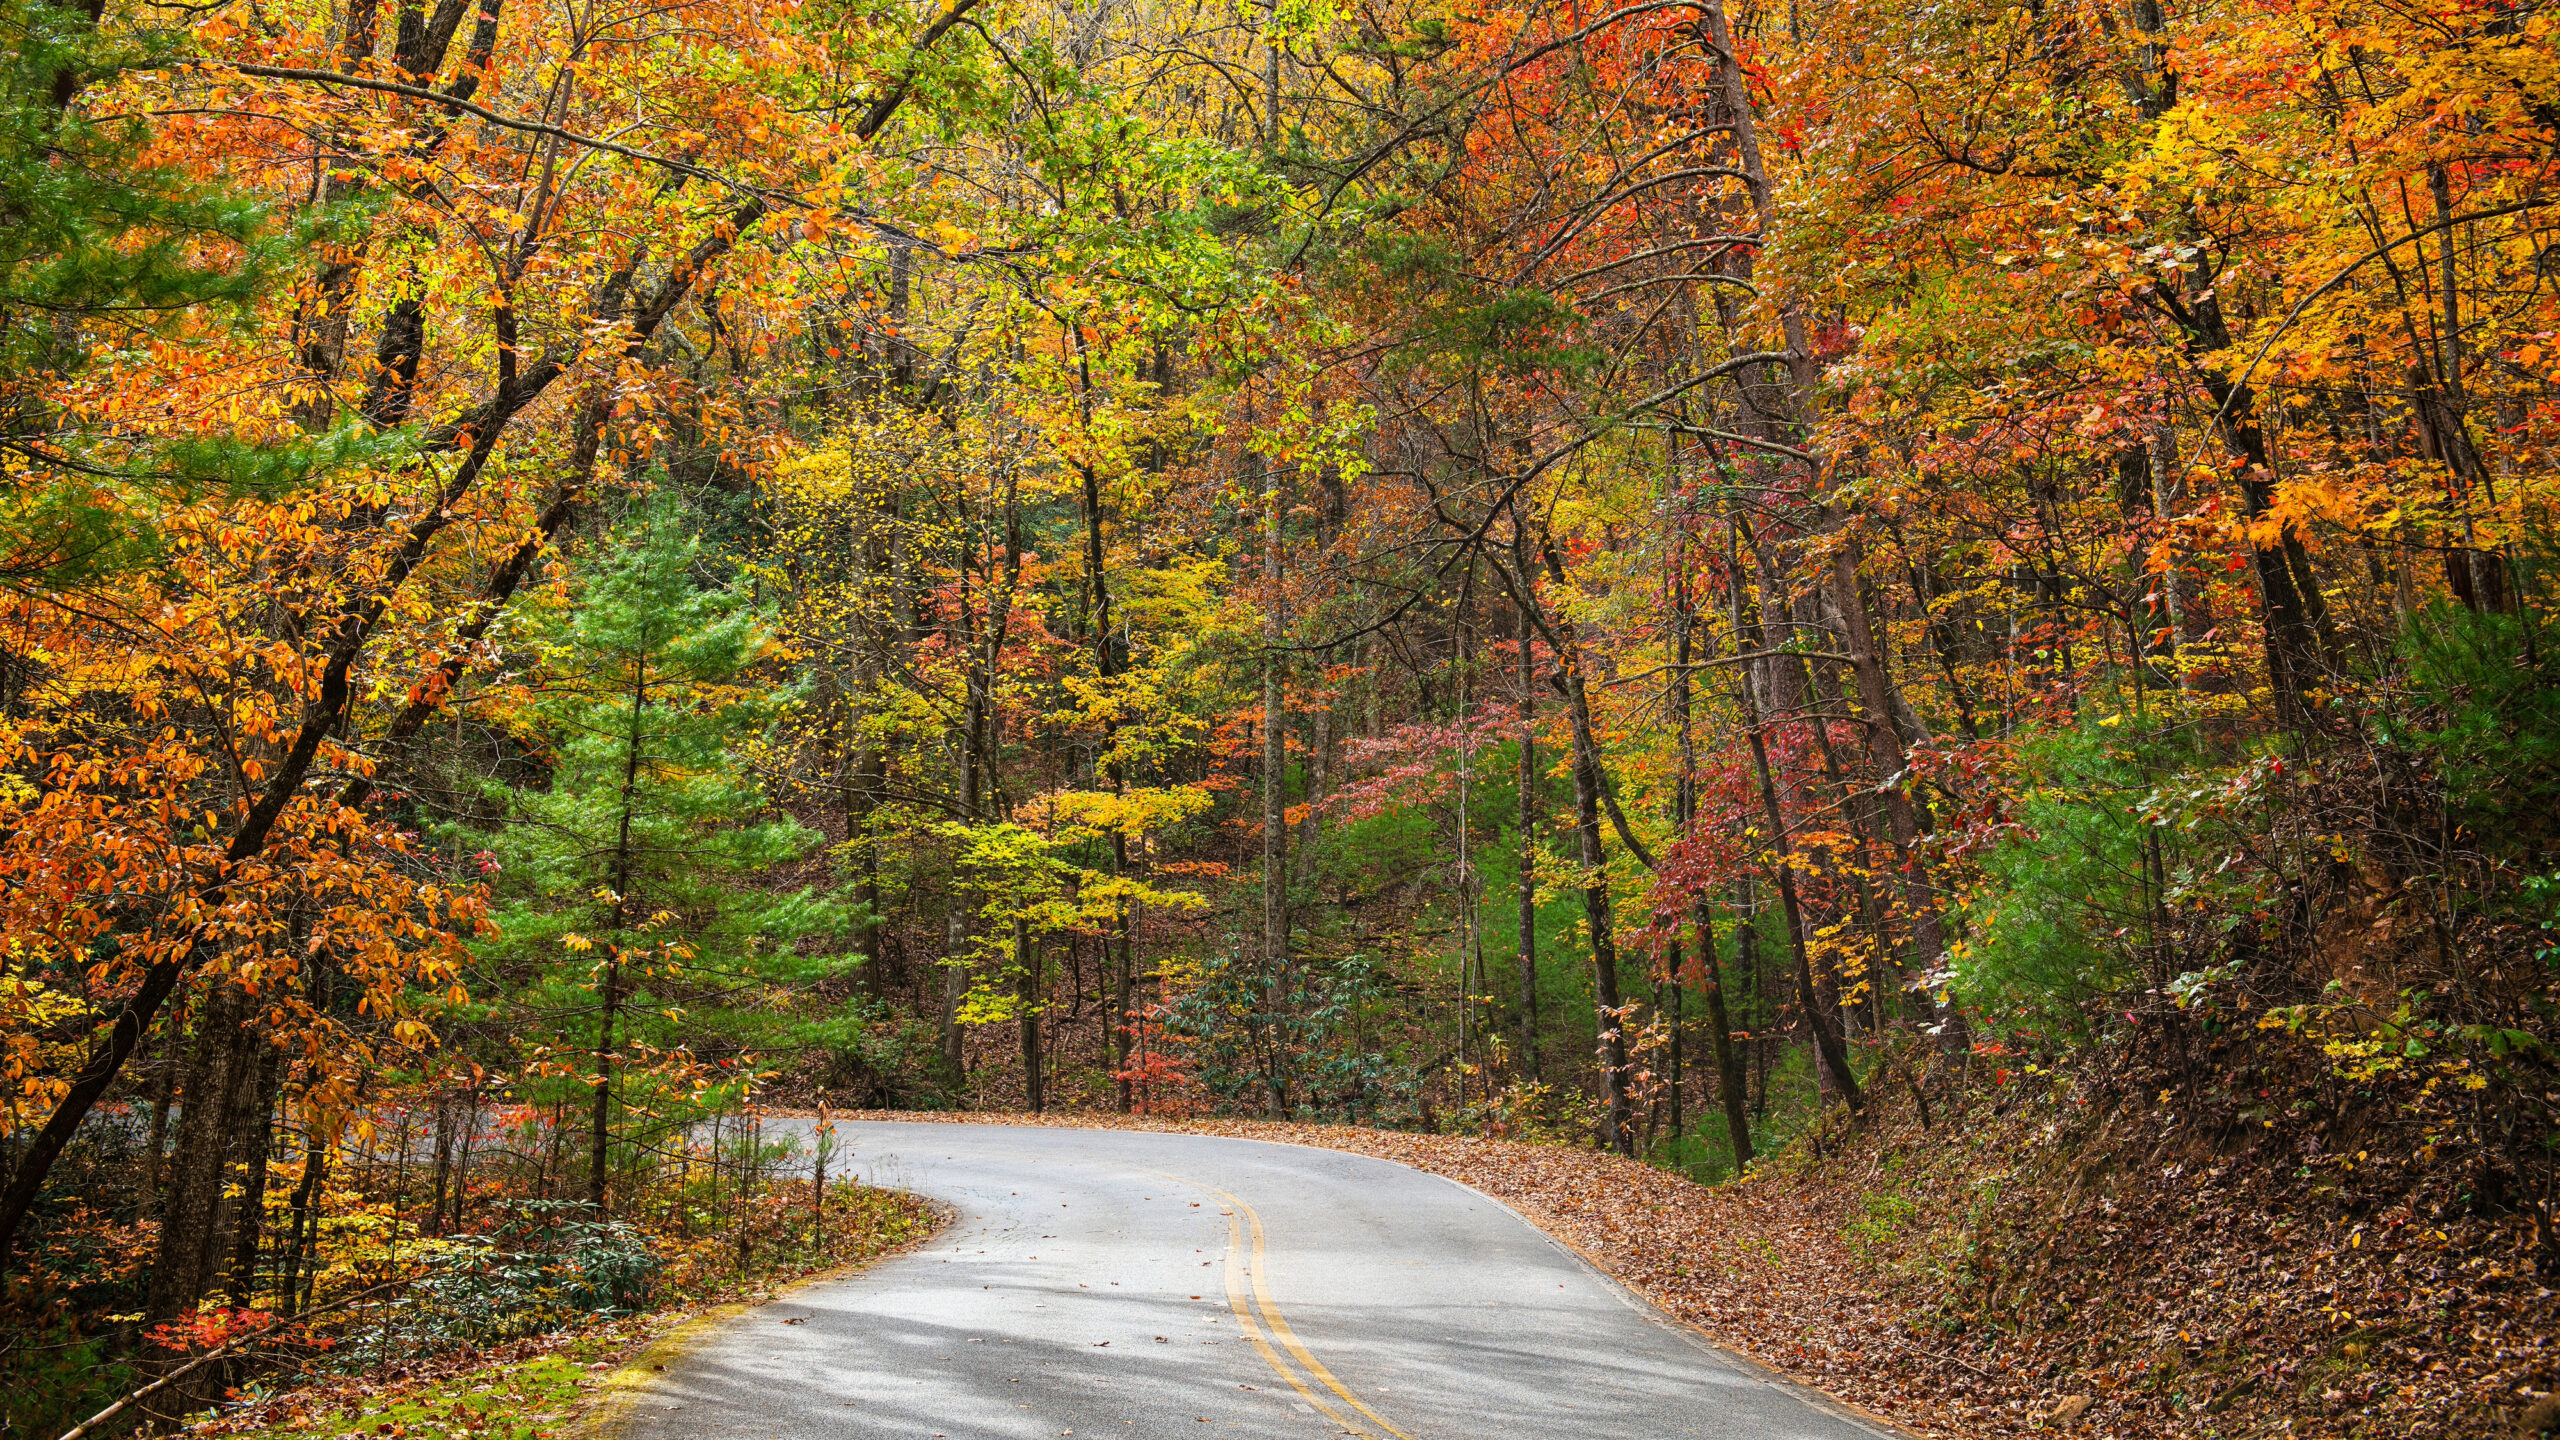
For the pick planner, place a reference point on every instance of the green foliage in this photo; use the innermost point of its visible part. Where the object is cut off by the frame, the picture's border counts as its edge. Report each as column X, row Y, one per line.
column 553, row 1266
column 1300, row 1040
column 2052, row 925
column 654, row 841
column 1373, row 854
column 2494, row 681
column 1877, row 1229
column 62, row 1367
column 1792, row 1105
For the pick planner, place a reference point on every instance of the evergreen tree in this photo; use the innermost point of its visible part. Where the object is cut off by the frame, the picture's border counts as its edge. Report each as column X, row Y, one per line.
column 641, row 856
column 103, row 248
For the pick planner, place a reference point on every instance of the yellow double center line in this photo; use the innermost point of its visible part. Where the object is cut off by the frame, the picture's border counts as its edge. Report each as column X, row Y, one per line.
column 1240, row 1218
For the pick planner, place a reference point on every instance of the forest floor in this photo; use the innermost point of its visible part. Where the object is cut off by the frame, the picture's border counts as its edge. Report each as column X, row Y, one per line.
column 566, row 1382
column 2034, row 1266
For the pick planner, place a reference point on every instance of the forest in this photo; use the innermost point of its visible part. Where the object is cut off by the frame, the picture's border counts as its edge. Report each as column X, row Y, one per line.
column 1671, row 578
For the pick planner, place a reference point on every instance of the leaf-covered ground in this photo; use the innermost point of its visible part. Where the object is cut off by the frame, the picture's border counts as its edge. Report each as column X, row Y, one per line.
column 547, row 1386
column 2027, row 1266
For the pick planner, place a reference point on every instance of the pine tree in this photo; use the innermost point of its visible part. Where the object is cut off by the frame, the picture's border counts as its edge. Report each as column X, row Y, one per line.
column 103, row 248
column 642, row 853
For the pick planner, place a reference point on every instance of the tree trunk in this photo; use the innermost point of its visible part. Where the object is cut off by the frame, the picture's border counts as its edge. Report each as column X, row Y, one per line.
column 819, row 1144
column 600, row 1126
column 1124, row 982
column 1729, row 1080
column 1528, row 703
column 870, row 776
column 249, row 1218
column 1026, row 957
column 1893, row 764
column 303, row 1226
column 1732, row 1088
column 164, row 1089
column 1275, row 733
column 600, row 1133
column 955, row 987
column 1106, row 664
column 1275, row 764
column 1604, row 946
column 1828, row 1050
column 1668, row 1004
column 222, row 1065
column 462, row 1161
column 2295, row 615
column 1829, row 1054
column 1822, row 683
column 955, row 925
column 442, row 1174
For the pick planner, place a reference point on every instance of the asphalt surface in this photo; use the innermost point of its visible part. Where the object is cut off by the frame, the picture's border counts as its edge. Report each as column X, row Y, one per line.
column 1102, row 1283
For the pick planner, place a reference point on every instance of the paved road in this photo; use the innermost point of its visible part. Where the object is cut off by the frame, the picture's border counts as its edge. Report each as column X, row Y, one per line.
column 1102, row 1284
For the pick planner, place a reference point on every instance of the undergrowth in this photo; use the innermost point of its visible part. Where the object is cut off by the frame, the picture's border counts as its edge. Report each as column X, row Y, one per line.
column 538, row 1386
column 2164, row 1259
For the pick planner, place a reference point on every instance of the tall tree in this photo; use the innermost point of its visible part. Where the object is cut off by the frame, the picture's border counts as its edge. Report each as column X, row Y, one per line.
column 640, row 860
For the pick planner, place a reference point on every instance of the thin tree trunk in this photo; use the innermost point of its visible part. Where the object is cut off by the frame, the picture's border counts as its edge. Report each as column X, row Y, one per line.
column 1026, row 957
column 441, row 1175
column 955, row 931
column 819, row 1144
column 1729, row 1079
column 1275, row 747
column 955, row 987
column 304, row 1223
column 1828, row 1051
column 1604, row 946
column 164, row 1089
column 1319, row 771
column 1124, row 982
column 870, row 773
column 1275, row 762
column 2295, row 615
column 600, row 1126
column 1675, row 1009
column 1732, row 1089
column 462, row 1161
column 600, row 1130
column 1106, row 664
column 1893, row 765
column 1528, row 703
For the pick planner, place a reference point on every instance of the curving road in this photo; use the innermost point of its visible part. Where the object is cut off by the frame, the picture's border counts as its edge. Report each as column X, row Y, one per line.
column 1103, row 1283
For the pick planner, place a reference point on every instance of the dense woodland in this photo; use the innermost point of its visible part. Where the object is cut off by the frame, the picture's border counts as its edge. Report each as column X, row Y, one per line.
column 1653, row 577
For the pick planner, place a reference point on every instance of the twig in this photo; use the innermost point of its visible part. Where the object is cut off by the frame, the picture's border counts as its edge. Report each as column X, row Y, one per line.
column 1934, row 1355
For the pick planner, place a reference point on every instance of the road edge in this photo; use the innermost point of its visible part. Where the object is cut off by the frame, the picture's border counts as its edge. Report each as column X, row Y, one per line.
column 608, row 1413
column 1643, row 1304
